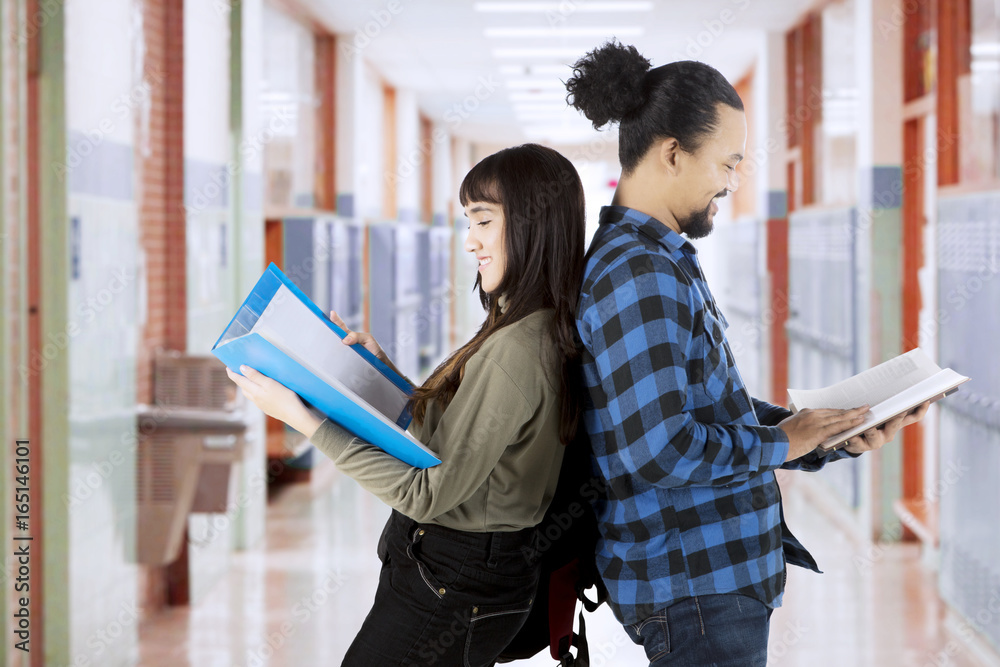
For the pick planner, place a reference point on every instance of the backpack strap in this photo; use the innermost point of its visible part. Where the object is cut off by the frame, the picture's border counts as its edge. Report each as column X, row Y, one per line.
column 602, row 595
column 582, row 658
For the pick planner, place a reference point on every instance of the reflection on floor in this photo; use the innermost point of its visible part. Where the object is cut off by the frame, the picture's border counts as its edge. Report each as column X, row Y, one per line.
column 299, row 598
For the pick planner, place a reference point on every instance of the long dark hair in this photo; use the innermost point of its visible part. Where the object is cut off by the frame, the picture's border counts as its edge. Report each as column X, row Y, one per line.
column 541, row 197
column 613, row 83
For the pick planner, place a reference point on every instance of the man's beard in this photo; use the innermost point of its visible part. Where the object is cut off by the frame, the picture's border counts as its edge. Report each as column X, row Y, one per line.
column 699, row 224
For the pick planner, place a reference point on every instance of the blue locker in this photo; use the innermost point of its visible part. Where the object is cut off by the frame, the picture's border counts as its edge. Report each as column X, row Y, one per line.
column 968, row 283
column 394, row 293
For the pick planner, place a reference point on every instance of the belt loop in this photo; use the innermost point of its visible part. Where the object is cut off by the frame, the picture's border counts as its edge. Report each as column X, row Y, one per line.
column 494, row 550
column 411, row 528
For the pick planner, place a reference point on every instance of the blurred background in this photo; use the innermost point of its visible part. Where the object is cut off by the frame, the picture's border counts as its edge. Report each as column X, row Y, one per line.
column 157, row 154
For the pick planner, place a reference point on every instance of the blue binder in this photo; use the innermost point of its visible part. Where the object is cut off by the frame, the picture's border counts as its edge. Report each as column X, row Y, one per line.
column 238, row 345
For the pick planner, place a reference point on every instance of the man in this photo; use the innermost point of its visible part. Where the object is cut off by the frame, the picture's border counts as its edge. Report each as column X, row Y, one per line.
column 694, row 546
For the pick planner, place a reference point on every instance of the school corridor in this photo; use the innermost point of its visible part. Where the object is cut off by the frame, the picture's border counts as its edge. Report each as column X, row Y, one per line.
column 158, row 155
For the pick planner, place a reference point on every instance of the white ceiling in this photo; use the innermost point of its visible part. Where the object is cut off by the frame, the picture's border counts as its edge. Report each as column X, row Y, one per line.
column 442, row 50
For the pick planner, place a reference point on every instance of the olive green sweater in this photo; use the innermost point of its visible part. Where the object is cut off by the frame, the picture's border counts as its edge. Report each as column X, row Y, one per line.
column 498, row 440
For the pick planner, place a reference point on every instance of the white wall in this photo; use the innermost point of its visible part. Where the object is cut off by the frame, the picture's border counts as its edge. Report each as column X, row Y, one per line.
column 207, row 183
column 104, row 92
column 206, row 82
column 369, row 160
column 409, row 161
column 441, row 170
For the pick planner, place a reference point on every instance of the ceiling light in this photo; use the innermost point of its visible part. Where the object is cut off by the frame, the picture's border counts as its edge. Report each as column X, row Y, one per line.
column 540, row 106
column 548, row 118
column 568, row 54
column 538, row 120
column 535, row 84
column 535, row 70
column 539, row 117
column 985, row 49
column 557, row 134
column 539, row 96
column 563, row 32
column 564, row 115
column 557, row 112
column 565, row 7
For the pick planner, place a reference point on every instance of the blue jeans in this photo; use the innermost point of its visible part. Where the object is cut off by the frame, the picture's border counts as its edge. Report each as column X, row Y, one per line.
column 706, row 631
column 446, row 598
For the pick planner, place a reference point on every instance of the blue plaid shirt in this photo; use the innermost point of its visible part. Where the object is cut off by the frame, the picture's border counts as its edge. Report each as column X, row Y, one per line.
column 692, row 504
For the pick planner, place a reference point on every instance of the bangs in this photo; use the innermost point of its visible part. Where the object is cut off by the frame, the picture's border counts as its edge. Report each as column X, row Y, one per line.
column 482, row 183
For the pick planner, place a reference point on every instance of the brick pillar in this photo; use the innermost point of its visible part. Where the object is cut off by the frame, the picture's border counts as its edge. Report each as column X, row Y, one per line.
column 161, row 187
column 159, row 161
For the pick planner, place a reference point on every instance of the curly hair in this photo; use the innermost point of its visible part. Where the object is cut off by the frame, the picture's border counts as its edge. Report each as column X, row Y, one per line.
column 614, row 84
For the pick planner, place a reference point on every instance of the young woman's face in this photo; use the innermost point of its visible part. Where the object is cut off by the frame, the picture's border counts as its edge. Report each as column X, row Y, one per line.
column 485, row 240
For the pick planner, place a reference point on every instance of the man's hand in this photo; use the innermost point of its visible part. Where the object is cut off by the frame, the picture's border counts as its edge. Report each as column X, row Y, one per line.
column 807, row 428
column 874, row 438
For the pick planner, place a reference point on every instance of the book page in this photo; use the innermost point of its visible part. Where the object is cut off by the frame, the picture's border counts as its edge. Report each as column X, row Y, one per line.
column 872, row 386
column 933, row 387
column 292, row 327
column 241, row 324
column 339, row 386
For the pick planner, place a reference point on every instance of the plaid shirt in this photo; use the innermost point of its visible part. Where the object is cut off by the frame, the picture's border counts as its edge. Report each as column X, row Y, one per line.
column 692, row 504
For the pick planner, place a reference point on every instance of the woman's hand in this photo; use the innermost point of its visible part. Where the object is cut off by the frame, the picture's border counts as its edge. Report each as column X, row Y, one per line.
column 366, row 339
column 874, row 438
column 276, row 400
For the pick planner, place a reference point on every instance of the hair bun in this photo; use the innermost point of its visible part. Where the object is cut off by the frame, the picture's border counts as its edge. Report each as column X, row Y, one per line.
column 608, row 83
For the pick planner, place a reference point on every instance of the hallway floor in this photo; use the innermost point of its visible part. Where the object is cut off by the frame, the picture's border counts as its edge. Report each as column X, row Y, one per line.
column 299, row 599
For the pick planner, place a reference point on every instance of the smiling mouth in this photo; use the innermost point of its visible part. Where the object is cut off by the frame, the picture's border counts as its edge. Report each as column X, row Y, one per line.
column 485, row 261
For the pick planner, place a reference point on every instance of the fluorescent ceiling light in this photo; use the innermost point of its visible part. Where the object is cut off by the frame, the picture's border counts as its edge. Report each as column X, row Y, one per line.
column 985, row 49
column 539, row 120
column 540, row 106
column 535, row 70
column 559, row 134
column 565, row 7
column 563, row 32
column 531, row 96
column 542, row 118
column 535, row 84
column 569, row 54
column 565, row 116
column 548, row 117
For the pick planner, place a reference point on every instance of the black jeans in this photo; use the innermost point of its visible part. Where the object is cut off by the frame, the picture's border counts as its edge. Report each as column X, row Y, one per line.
column 446, row 597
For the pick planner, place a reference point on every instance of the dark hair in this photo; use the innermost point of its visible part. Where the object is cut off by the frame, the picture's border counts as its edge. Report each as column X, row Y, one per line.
column 541, row 197
column 613, row 83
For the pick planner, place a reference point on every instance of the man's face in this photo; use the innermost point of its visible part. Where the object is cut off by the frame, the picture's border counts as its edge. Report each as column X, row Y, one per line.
column 710, row 173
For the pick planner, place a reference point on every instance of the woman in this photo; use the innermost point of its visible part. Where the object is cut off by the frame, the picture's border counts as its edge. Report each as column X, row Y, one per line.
column 458, row 575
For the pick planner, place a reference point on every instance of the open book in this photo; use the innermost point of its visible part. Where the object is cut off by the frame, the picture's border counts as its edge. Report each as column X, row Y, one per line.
column 891, row 388
column 280, row 332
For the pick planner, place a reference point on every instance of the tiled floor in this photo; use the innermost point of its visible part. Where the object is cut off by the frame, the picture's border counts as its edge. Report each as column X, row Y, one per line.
column 299, row 599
